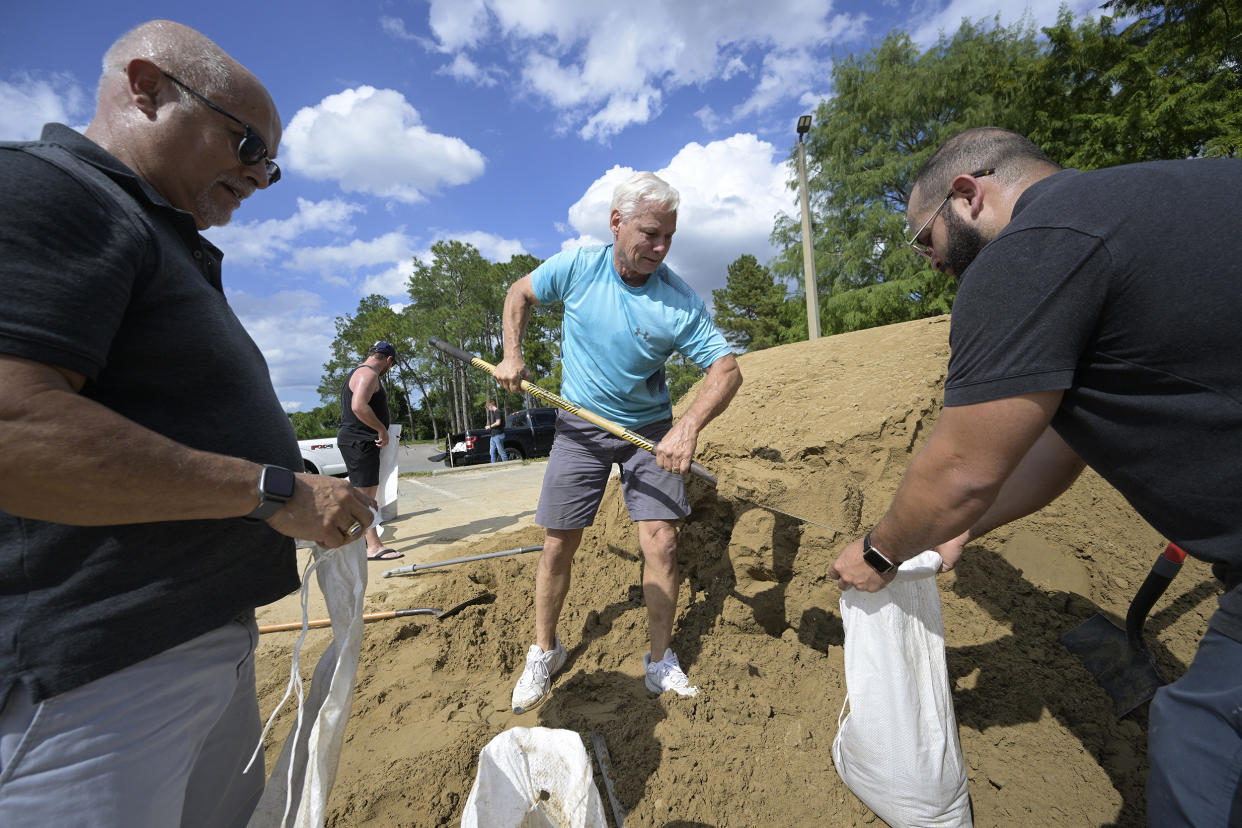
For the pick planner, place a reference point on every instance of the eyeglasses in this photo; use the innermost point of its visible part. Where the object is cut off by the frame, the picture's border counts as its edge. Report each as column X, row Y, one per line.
column 925, row 250
column 252, row 148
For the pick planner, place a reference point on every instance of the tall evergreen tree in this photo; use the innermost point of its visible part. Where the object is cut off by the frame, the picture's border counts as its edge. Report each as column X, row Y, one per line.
column 747, row 309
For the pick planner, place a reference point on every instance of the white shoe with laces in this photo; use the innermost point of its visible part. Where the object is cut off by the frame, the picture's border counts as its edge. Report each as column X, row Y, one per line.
column 532, row 688
column 666, row 674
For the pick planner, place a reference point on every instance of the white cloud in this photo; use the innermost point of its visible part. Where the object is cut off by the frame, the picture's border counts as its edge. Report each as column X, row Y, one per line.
column 810, row 100
column 708, row 118
column 295, row 334
column 354, row 255
column 730, row 192
column 27, row 103
column 381, row 264
column 464, row 69
column 259, row 242
column 620, row 112
column 781, row 70
column 609, row 67
column 373, row 141
column 492, row 247
column 458, row 24
column 395, row 26
column 393, row 281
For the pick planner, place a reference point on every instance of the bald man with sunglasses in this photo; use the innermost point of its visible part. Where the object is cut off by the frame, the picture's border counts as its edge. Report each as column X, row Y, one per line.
column 147, row 502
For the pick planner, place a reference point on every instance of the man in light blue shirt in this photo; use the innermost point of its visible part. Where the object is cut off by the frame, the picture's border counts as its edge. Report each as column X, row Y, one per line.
column 626, row 313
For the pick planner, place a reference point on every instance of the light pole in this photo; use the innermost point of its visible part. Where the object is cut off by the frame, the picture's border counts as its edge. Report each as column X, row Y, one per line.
column 808, row 249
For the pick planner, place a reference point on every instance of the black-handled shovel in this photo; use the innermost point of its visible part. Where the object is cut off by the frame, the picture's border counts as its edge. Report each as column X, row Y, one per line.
column 1119, row 658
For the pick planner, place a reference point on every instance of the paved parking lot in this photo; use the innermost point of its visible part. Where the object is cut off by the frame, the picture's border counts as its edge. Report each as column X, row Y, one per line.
column 436, row 513
column 438, row 510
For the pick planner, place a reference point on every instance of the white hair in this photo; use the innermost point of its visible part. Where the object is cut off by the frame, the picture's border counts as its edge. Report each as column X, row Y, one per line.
column 643, row 187
column 176, row 49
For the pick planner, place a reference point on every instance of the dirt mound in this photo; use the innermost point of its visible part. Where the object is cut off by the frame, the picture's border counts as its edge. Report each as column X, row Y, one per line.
column 821, row 429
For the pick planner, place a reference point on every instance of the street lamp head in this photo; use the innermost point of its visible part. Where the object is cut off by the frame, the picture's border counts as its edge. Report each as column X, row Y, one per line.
column 804, row 124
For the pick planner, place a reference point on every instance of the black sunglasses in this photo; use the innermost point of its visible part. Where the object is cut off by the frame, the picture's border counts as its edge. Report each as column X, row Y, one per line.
column 252, row 148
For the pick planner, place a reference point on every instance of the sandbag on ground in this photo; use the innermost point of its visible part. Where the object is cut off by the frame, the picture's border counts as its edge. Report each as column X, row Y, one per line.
column 534, row 777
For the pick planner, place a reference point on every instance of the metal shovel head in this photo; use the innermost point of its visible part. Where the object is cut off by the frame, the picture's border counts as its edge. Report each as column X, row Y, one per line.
column 485, row 598
column 1125, row 670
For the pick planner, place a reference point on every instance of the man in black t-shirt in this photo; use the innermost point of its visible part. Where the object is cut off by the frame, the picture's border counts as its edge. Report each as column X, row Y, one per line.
column 1096, row 323
column 364, row 431
column 139, row 430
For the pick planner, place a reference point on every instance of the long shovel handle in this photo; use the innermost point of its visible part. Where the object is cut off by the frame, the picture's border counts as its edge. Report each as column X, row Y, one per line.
column 1162, row 573
column 412, row 568
column 565, row 405
column 325, row 622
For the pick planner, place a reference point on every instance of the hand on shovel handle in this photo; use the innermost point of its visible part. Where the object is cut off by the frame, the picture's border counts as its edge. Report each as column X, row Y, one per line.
column 565, row 405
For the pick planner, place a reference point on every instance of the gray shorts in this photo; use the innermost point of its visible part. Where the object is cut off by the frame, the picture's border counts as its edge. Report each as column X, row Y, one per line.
column 578, row 467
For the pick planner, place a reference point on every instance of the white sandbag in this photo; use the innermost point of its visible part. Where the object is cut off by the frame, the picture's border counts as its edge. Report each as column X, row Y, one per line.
column 386, row 494
column 534, row 777
column 301, row 782
column 897, row 749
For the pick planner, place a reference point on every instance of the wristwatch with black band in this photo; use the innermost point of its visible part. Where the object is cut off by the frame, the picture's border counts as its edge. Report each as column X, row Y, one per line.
column 276, row 485
column 875, row 559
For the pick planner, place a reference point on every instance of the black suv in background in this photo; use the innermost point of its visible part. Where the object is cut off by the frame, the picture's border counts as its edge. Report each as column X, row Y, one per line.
column 528, row 433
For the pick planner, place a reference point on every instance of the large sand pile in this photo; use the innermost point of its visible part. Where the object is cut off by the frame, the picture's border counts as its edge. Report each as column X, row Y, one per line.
column 824, row 430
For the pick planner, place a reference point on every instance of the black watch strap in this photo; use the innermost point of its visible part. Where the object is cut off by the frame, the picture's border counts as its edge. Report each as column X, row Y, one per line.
column 276, row 485
column 875, row 558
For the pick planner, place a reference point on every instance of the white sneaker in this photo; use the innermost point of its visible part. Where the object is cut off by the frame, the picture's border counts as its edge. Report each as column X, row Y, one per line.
column 666, row 674
column 532, row 688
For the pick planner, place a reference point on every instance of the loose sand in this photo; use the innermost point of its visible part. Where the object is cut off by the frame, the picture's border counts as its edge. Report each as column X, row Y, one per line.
column 821, row 429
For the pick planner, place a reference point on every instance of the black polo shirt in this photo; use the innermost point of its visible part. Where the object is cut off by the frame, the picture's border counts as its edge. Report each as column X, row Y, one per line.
column 1123, row 288
column 104, row 277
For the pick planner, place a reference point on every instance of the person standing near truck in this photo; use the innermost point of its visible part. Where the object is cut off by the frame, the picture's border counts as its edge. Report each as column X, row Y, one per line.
column 364, row 431
column 496, row 425
column 626, row 313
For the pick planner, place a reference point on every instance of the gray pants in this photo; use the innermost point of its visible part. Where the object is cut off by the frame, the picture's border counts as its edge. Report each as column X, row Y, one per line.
column 160, row 743
column 1194, row 741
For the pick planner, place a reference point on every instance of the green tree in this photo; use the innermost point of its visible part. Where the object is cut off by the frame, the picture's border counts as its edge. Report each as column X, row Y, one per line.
column 680, row 374
column 891, row 108
column 1167, row 86
column 541, row 347
column 318, row 422
column 455, row 297
column 748, row 308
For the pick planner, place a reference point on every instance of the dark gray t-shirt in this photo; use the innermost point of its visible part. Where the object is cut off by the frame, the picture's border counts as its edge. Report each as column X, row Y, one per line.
column 100, row 275
column 1123, row 287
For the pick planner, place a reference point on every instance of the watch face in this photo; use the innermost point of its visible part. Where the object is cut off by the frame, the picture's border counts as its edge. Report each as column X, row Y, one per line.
column 877, row 561
column 278, row 482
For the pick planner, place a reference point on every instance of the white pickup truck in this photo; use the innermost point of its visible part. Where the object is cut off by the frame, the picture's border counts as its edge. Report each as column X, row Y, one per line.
column 322, row 456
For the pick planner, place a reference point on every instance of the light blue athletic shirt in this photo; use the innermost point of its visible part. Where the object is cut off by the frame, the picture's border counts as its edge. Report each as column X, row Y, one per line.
column 616, row 338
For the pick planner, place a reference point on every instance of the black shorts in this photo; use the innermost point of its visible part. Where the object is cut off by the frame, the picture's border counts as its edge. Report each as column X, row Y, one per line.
column 362, row 459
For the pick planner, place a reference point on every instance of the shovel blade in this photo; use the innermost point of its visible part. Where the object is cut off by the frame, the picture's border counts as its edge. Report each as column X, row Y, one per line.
column 1126, row 671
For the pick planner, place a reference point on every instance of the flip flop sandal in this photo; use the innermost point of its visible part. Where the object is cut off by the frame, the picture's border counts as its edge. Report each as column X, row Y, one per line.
column 386, row 554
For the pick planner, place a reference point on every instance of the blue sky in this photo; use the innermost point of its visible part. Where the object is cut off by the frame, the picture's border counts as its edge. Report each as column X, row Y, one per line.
column 502, row 123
